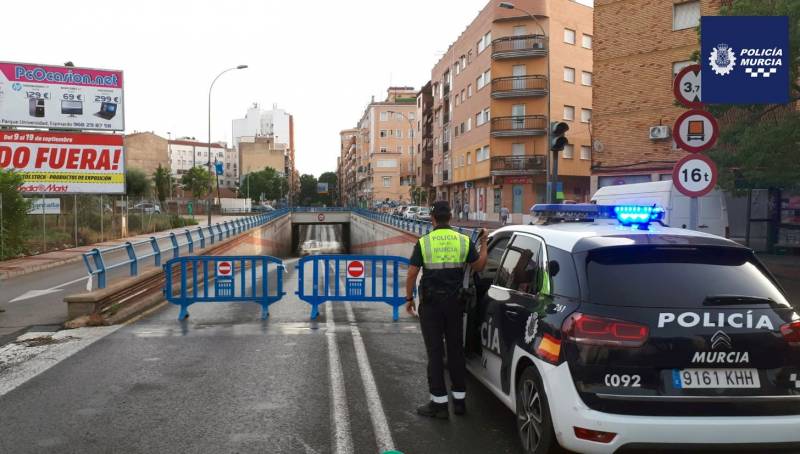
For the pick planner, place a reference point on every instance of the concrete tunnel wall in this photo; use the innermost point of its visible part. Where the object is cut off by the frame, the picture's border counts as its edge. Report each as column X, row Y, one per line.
column 372, row 238
column 273, row 239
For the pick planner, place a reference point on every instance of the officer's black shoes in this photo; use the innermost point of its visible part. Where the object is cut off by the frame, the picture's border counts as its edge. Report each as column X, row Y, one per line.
column 459, row 406
column 434, row 410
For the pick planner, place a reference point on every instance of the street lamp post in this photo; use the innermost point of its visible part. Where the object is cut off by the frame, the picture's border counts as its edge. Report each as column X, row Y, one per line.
column 210, row 192
column 413, row 152
column 551, row 162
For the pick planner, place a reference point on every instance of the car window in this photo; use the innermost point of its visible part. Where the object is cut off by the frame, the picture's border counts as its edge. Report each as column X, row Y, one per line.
column 493, row 257
column 520, row 269
column 565, row 281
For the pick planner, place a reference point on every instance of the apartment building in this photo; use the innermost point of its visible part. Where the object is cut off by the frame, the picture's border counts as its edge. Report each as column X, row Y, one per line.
column 640, row 45
column 381, row 149
column 258, row 153
column 491, row 104
column 423, row 153
column 347, row 166
column 145, row 151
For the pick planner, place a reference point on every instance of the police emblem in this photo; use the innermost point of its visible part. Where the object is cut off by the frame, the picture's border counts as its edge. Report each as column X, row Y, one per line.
column 532, row 327
column 722, row 59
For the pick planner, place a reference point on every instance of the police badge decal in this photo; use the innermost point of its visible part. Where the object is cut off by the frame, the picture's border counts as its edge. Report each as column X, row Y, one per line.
column 722, row 59
column 532, row 327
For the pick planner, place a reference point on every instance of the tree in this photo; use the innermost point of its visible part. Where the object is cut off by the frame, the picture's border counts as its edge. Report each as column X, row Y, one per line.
column 14, row 209
column 308, row 190
column 332, row 179
column 759, row 145
column 197, row 181
column 163, row 183
column 268, row 182
column 136, row 183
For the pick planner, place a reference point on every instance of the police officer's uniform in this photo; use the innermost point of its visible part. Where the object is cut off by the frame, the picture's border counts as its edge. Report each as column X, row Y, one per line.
column 443, row 254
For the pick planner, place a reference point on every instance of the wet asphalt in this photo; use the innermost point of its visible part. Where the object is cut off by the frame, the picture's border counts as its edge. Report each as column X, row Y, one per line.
column 224, row 381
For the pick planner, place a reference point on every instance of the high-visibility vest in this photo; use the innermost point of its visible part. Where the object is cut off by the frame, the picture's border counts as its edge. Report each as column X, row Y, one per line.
column 444, row 249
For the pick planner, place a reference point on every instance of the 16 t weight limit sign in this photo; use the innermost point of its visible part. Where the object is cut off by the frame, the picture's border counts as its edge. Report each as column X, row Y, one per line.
column 695, row 175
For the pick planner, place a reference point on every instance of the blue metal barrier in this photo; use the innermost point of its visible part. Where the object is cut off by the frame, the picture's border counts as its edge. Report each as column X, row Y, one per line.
column 98, row 264
column 412, row 226
column 223, row 279
column 325, row 278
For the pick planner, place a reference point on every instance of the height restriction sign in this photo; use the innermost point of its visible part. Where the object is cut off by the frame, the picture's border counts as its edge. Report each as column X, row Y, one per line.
column 696, row 131
column 695, row 175
column 687, row 87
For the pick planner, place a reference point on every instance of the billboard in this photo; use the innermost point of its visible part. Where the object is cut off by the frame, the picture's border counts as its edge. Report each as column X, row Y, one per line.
column 40, row 96
column 45, row 206
column 64, row 162
column 322, row 188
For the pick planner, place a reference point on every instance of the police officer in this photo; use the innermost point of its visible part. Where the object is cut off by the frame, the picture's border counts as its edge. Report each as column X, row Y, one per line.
column 443, row 255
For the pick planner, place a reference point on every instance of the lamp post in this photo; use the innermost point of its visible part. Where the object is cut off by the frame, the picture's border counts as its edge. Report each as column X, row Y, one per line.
column 210, row 192
column 413, row 152
column 551, row 162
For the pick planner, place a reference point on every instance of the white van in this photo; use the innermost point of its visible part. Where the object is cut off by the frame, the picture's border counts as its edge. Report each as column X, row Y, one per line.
column 713, row 212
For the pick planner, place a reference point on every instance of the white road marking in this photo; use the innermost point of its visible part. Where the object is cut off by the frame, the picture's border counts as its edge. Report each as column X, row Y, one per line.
column 34, row 294
column 383, row 436
column 340, row 416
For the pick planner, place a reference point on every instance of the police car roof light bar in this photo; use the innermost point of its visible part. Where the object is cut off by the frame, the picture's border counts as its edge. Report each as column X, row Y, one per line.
column 627, row 215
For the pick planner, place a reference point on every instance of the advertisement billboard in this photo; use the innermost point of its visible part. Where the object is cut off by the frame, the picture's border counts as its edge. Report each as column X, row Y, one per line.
column 322, row 188
column 40, row 96
column 45, row 206
column 64, row 162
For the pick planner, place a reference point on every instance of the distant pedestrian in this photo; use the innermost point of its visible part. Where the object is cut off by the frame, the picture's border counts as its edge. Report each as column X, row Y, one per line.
column 466, row 211
column 504, row 215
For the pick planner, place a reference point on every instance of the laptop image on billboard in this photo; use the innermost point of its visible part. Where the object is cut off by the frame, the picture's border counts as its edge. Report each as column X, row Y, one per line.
column 71, row 108
column 107, row 110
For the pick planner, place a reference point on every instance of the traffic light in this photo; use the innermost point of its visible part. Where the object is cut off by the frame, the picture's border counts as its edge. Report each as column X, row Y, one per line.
column 557, row 139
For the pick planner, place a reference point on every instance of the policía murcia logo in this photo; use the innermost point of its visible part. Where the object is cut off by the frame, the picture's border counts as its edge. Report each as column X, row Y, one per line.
column 722, row 59
column 761, row 62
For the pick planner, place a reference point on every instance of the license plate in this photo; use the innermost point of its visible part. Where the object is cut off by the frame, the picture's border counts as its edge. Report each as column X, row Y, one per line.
column 715, row 378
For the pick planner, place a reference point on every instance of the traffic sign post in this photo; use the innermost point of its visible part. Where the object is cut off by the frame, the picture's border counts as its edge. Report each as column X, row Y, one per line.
column 686, row 87
column 696, row 131
column 694, row 176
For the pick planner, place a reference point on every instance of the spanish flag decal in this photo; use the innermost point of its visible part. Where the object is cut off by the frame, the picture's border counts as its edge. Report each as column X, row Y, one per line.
column 549, row 348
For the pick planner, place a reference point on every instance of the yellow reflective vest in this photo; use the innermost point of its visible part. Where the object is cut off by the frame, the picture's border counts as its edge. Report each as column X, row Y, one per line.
column 444, row 249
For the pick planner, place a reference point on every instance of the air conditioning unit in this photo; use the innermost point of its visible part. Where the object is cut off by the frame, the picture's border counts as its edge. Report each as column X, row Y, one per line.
column 659, row 132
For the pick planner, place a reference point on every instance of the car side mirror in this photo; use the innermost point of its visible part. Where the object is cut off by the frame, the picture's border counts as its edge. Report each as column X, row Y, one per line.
column 553, row 268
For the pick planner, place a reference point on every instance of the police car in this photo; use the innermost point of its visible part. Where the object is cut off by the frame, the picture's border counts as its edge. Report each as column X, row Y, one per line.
column 604, row 330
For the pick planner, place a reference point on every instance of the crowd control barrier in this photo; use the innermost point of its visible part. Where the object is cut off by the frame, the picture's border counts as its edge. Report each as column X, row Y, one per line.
column 357, row 278
column 223, row 279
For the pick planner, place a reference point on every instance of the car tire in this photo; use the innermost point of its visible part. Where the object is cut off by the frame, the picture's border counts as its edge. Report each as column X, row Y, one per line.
column 534, row 423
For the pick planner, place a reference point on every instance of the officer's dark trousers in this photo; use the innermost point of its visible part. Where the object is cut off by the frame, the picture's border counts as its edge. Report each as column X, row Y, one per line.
column 441, row 320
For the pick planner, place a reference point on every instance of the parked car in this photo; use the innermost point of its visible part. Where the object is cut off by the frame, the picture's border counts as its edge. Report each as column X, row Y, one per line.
column 424, row 214
column 147, row 207
column 400, row 211
column 263, row 209
column 411, row 212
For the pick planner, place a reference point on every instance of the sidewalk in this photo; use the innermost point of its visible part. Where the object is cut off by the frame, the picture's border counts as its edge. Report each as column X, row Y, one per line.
column 30, row 264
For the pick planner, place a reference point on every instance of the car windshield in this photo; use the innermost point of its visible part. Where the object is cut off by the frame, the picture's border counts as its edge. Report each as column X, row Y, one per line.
column 650, row 276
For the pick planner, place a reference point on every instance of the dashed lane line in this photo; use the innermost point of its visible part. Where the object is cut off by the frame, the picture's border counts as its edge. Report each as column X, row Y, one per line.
column 339, row 413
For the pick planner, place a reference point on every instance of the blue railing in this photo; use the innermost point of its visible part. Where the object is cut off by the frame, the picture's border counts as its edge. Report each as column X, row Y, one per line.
column 97, row 260
column 374, row 278
column 410, row 225
column 236, row 279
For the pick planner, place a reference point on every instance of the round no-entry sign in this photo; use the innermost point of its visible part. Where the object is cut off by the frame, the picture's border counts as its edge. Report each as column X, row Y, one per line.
column 696, row 131
column 224, row 268
column 695, row 175
column 355, row 269
column 686, row 87
column 321, row 217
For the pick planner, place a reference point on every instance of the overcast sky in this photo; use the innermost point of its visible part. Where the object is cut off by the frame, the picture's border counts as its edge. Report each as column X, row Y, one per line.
column 320, row 60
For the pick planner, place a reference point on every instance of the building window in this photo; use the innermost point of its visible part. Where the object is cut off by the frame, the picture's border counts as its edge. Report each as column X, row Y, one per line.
column 462, row 127
column 400, row 149
column 586, row 115
column 386, row 163
column 484, row 79
column 387, row 182
column 469, row 124
column 469, row 91
column 384, row 116
column 586, row 78
column 586, row 43
column 482, row 154
column 569, row 151
column 478, row 119
column 569, row 74
column 569, row 36
column 412, row 115
column 686, row 15
column 383, row 149
column 463, row 61
column 398, row 116
column 399, row 134
column 484, row 42
column 383, row 133
column 586, row 152
column 569, row 113
column 469, row 158
column 463, row 95
column 679, row 65
column 457, row 69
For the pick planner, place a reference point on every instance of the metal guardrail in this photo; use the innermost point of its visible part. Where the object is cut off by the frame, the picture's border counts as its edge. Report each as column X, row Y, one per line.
column 95, row 260
column 411, row 226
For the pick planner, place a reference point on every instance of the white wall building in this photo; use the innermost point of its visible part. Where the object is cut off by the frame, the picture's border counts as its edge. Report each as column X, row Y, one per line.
column 261, row 123
column 185, row 154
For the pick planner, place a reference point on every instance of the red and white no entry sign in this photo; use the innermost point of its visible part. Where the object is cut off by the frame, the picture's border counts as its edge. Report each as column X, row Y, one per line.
column 695, row 175
column 686, row 87
column 696, row 131
column 224, row 268
column 321, row 217
column 355, row 269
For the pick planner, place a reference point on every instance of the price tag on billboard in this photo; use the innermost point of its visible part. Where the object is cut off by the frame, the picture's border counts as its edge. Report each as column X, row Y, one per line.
column 695, row 175
column 686, row 87
column 696, row 131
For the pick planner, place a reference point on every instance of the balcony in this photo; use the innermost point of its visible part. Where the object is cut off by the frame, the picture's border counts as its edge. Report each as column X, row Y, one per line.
column 519, row 87
column 519, row 47
column 518, row 126
column 517, row 165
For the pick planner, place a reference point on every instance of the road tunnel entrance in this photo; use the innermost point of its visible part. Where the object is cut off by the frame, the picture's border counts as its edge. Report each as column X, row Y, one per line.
column 319, row 238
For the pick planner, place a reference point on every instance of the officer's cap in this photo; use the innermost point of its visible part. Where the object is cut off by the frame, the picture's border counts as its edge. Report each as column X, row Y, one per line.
column 440, row 208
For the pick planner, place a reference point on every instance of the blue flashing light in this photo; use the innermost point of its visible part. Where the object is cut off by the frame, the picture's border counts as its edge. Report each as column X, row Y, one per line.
column 627, row 215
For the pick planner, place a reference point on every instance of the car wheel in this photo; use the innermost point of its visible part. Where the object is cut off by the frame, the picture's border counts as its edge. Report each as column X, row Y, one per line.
column 534, row 425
